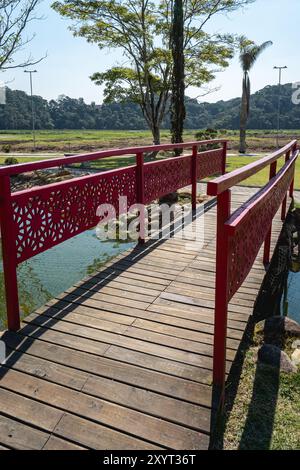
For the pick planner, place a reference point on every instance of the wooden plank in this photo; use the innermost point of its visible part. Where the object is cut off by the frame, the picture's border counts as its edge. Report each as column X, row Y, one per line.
column 201, row 316
column 57, row 337
column 198, row 373
column 173, row 410
column 149, row 361
column 137, row 424
column 119, row 282
column 19, row 436
column 126, row 395
column 55, row 306
column 39, row 367
column 123, row 341
column 183, row 332
column 101, row 366
column 56, row 443
column 29, row 411
column 97, row 437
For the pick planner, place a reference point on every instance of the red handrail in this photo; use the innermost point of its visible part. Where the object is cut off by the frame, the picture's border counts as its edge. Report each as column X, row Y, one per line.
column 34, row 220
column 222, row 183
column 240, row 236
column 10, row 170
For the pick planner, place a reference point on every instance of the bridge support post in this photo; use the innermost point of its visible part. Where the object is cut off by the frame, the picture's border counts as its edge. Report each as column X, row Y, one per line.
column 284, row 203
column 9, row 255
column 140, row 186
column 194, row 177
column 224, row 157
column 267, row 245
column 293, row 182
column 221, row 296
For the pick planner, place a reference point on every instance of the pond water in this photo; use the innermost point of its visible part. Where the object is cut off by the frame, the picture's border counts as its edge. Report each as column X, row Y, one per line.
column 293, row 296
column 48, row 274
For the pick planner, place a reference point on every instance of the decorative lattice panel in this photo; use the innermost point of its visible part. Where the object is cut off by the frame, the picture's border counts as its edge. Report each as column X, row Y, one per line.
column 48, row 215
column 166, row 176
column 209, row 163
column 252, row 230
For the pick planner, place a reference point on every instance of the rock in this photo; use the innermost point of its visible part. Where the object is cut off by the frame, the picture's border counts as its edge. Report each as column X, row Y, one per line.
column 273, row 356
column 296, row 358
column 169, row 199
column 278, row 325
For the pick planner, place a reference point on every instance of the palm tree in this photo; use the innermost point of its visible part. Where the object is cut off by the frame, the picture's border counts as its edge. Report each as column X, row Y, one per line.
column 249, row 53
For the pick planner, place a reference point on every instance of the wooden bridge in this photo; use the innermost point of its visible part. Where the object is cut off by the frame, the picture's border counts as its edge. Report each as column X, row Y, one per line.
column 136, row 355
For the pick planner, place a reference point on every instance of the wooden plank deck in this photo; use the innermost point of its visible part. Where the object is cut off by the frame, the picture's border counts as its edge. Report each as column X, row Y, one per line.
column 123, row 360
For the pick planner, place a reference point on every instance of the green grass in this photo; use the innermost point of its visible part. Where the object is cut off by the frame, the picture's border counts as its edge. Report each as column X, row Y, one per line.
column 23, row 160
column 74, row 140
column 88, row 140
column 262, row 177
column 266, row 410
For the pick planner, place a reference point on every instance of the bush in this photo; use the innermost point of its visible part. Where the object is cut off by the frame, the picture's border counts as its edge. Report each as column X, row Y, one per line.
column 6, row 148
column 11, row 161
column 207, row 134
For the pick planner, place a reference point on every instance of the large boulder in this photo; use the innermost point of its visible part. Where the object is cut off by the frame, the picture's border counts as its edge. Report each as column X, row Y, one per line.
column 274, row 356
column 278, row 325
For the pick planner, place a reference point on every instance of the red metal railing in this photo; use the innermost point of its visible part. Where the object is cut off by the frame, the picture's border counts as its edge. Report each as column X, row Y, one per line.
column 37, row 219
column 241, row 235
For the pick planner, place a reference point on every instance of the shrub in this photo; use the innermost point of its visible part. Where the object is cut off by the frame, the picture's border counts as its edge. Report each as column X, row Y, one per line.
column 207, row 134
column 6, row 148
column 11, row 161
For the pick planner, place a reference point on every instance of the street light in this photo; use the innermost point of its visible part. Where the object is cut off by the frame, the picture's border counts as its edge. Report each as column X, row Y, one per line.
column 32, row 105
column 279, row 101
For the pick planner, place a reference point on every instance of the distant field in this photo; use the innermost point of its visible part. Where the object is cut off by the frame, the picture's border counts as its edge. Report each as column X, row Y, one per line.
column 59, row 142
column 87, row 140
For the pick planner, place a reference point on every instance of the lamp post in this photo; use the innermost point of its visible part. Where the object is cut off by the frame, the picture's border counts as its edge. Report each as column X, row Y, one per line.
column 279, row 100
column 32, row 105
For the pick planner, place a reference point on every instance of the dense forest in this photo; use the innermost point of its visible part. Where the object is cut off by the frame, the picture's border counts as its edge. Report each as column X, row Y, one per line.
column 69, row 113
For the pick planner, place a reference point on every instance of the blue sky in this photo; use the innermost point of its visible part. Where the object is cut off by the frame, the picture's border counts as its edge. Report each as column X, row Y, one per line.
column 70, row 61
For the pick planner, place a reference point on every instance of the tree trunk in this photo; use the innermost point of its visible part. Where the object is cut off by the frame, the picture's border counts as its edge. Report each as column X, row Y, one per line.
column 156, row 134
column 243, row 120
column 178, row 83
column 155, row 130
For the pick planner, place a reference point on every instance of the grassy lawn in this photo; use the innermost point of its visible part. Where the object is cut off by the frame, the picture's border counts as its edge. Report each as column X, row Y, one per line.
column 265, row 411
column 23, row 159
column 86, row 140
column 261, row 178
column 89, row 140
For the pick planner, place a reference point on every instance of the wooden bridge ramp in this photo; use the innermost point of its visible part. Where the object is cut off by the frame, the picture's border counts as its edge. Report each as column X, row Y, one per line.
column 123, row 360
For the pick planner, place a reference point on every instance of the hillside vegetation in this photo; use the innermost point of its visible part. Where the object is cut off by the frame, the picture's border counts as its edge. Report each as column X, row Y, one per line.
column 69, row 113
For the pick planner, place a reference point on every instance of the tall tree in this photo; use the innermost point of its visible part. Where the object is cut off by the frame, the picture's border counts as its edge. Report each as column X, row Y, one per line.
column 177, row 107
column 142, row 30
column 249, row 53
column 14, row 17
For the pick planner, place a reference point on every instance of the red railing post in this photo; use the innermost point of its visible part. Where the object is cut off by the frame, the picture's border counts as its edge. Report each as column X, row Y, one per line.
column 140, row 197
column 194, row 177
column 267, row 245
column 283, row 208
column 224, row 157
column 9, row 255
column 221, row 294
column 293, row 181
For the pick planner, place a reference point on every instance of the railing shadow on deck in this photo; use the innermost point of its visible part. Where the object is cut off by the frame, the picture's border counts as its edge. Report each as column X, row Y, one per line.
column 60, row 309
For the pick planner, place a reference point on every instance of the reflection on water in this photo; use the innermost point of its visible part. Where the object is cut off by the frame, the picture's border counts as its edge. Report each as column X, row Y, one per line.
column 294, row 296
column 50, row 273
